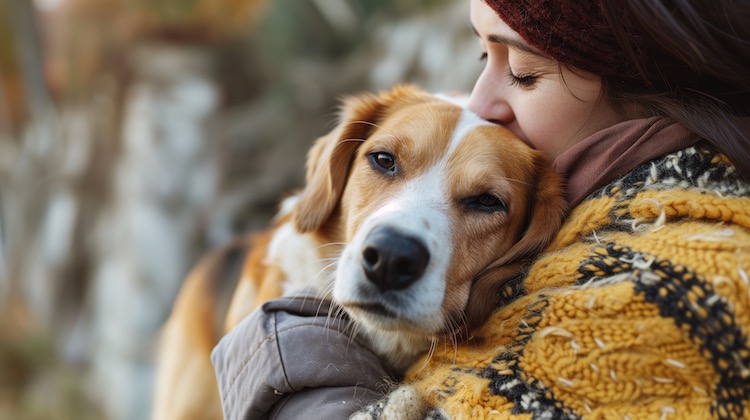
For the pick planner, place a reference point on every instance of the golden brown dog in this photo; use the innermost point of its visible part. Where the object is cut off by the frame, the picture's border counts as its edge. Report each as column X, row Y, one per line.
column 414, row 213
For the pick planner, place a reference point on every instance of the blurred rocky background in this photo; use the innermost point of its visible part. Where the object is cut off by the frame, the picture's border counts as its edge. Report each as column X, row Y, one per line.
column 136, row 134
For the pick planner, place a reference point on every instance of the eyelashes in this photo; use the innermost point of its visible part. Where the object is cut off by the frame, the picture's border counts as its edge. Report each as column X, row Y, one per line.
column 525, row 81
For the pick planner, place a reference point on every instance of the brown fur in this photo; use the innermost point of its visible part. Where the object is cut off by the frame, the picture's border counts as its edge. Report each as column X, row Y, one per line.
column 341, row 192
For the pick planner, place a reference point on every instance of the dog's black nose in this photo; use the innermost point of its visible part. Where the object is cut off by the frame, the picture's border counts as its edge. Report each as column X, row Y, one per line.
column 391, row 260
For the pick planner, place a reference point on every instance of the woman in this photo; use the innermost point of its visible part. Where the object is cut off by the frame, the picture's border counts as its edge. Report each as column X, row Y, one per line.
column 641, row 306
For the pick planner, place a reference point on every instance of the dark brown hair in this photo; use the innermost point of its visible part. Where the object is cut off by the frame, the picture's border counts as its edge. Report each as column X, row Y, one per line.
column 693, row 59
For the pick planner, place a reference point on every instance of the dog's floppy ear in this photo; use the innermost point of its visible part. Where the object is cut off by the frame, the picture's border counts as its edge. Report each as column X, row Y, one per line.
column 330, row 159
column 547, row 209
column 485, row 292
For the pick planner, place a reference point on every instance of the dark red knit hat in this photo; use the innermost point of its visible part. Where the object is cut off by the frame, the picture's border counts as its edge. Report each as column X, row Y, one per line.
column 573, row 32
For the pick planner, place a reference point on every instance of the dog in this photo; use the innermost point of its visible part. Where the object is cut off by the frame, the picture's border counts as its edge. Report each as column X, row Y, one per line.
column 425, row 211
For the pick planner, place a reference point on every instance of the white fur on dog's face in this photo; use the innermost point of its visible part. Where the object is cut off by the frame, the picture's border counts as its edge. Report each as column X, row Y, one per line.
column 448, row 162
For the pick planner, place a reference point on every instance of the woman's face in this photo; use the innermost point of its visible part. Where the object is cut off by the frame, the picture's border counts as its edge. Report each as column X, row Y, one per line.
column 546, row 104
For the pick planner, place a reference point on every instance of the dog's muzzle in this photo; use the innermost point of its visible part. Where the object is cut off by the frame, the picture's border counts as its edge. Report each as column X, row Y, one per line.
column 392, row 260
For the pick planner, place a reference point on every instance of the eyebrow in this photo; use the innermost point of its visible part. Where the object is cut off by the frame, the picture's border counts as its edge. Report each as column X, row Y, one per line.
column 511, row 42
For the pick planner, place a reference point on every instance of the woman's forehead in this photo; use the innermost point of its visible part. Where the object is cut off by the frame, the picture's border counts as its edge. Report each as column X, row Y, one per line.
column 488, row 26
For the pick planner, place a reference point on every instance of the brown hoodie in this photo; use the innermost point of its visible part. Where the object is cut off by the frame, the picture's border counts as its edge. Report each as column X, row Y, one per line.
column 267, row 369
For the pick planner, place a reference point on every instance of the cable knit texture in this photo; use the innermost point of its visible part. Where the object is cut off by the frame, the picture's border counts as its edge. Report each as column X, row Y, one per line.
column 639, row 309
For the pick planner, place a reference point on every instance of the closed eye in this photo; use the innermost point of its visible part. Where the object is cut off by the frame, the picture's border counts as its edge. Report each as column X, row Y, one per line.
column 383, row 162
column 487, row 203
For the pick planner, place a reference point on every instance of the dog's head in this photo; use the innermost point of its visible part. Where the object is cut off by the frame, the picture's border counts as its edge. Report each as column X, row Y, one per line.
column 437, row 208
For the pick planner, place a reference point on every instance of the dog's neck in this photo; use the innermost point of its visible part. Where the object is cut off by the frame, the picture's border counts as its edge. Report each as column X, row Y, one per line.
column 400, row 350
column 304, row 259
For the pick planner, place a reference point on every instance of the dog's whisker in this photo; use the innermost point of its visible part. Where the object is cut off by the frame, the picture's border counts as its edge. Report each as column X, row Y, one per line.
column 330, row 244
column 429, row 356
column 351, row 141
column 454, row 341
column 370, row 123
column 457, row 326
column 329, row 262
column 325, row 289
column 327, row 267
column 354, row 329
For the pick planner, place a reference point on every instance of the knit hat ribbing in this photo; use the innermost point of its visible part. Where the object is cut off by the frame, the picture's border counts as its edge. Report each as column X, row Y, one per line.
column 572, row 32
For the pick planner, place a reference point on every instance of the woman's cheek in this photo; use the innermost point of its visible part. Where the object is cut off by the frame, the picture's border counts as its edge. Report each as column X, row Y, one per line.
column 544, row 132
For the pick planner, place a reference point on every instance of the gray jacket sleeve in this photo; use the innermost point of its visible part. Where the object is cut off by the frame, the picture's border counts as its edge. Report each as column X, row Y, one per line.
column 292, row 359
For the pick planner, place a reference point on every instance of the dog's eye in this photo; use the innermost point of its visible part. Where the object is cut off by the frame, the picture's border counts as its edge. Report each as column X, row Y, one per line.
column 486, row 202
column 383, row 162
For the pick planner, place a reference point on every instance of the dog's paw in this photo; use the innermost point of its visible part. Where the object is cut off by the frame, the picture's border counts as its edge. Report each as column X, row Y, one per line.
column 403, row 403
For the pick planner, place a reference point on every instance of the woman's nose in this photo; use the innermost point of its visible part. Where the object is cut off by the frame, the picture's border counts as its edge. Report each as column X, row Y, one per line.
column 487, row 100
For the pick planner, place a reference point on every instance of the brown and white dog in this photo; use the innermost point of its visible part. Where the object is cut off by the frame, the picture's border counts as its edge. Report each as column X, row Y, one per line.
column 414, row 213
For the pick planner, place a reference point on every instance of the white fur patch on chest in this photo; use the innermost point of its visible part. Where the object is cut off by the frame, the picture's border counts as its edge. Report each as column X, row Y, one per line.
column 297, row 256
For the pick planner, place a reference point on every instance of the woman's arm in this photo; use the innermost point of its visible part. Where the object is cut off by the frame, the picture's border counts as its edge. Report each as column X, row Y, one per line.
column 292, row 357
